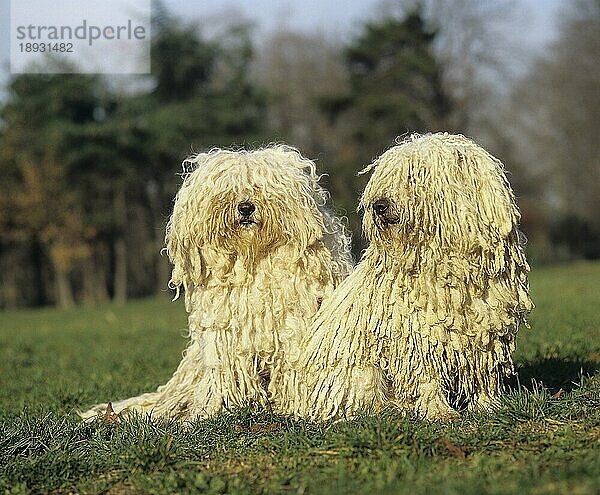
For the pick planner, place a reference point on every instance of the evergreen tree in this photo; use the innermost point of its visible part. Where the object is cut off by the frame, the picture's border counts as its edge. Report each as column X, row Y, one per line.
column 45, row 209
column 394, row 88
column 395, row 84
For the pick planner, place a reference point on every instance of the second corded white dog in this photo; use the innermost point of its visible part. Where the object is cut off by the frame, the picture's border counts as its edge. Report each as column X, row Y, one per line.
column 427, row 321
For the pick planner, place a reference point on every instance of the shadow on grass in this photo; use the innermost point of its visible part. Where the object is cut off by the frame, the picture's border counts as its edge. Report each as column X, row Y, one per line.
column 554, row 373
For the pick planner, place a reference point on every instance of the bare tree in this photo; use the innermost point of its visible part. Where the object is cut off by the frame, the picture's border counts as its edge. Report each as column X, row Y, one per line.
column 297, row 70
column 552, row 124
column 559, row 105
column 472, row 43
column 479, row 57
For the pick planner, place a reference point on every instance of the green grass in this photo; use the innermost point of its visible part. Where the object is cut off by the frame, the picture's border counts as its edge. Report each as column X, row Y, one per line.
column 544, row 439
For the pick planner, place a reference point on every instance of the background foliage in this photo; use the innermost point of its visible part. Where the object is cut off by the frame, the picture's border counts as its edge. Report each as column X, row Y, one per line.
column 89, row 168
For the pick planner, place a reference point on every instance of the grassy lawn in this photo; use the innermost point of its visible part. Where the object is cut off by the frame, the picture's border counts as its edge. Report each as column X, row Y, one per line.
column 544, row 439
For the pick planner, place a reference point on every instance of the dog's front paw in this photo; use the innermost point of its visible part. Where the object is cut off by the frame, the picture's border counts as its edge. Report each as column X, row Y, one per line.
column 440, row 412
column 435, row 407
column 484, row 402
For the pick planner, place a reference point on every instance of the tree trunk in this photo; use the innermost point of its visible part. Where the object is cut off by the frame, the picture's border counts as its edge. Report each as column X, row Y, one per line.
column 89, row 293
column 62, row 285
column 60, row 259
column 63, row 290
column 101, row 262
column 94, row 281
column 9, row 288
column 120, row 274
column 120, row 246
column 39, row 261
column 162, row 268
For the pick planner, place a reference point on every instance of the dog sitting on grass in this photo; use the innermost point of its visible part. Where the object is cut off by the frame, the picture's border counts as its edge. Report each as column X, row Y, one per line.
column 427, row 321
column 255, row 251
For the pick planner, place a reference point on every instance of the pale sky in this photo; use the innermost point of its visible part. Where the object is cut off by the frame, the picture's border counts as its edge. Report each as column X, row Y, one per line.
column 536, row 26
column 340, row 17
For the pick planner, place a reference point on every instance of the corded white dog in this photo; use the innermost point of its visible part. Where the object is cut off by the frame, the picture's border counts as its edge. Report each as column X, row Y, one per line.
column 427, row 321
column 256, row 251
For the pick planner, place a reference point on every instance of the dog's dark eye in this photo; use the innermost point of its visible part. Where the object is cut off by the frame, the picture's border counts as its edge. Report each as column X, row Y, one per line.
column 381, row 206
column 246, row 208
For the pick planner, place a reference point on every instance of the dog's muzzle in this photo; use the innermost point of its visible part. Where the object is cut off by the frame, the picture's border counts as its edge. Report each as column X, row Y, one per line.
column 382, row 209
column 246, row 209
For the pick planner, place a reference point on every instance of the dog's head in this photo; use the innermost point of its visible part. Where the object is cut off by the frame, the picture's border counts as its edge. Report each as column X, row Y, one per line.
column 243, row 205
column 438, row 190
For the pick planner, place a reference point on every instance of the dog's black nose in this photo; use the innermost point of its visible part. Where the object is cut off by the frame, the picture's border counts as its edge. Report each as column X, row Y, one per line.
column 246, row 208
column 381, row 206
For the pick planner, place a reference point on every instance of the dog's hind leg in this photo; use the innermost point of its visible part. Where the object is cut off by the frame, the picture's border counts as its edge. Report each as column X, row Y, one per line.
column 341, row 392
column 488, row 372
column 432, row 404
column 488, row 389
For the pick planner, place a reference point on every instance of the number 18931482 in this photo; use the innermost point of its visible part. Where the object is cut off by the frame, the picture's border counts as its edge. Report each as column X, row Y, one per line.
column 46, row 47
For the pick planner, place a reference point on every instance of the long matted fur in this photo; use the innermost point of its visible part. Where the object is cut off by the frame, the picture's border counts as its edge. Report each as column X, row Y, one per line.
column 255, row 251
column 428, row 319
